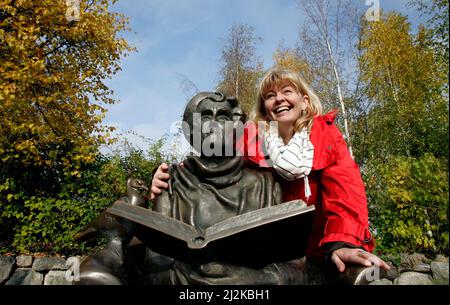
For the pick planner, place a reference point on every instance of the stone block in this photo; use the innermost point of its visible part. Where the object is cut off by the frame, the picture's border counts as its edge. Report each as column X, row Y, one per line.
column 49, row 263
column 392, row 273
column 24, row 261
column 413, row 278
column 6, row 265
column 440, row 272
column 56, row 277
column 25, row 276
column 422, row 267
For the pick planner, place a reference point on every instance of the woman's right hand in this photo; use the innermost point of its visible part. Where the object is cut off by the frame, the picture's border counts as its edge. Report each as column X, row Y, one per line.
column 159, row 181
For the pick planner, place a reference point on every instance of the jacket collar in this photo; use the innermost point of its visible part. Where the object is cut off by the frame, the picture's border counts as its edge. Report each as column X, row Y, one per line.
column 323, row 142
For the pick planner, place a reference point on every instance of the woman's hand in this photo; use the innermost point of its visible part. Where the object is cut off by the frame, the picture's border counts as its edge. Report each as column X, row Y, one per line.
column 356, row 256
column 159, row 180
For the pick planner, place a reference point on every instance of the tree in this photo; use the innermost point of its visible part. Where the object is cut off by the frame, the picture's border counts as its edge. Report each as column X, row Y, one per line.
column 241, row 68
column 52, row 98
column 52, row 87
column 290, row 59
column 437, row 12
column 409, row 112
column 326, row 43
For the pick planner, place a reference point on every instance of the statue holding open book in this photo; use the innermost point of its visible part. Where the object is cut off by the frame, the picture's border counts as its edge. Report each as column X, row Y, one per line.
column 219, row 222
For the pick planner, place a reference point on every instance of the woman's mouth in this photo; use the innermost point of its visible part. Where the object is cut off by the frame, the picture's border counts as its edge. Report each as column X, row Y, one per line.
column 282, row 109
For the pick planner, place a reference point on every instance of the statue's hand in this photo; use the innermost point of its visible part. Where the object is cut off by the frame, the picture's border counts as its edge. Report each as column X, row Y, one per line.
column 225, row 274
column 159, row 181
column 356, row 256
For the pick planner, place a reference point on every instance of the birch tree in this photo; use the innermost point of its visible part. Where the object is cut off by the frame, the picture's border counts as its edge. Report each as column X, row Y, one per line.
column 326, row 42
column 240, row 66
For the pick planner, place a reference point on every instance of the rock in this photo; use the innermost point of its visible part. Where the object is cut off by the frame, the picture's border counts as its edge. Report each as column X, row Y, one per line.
column 409, row 262
column 49, row 263
column 56, row 277
column 422, row 267
column 440, row 272
column 381, row 282
column 441, row 258
column 25, row 276
column 6, row 265
column 413, row 278
column 23, row 261
column 392, row 273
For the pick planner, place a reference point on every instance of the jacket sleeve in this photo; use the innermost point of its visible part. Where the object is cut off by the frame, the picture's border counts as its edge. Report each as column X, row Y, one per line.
column 344, row 202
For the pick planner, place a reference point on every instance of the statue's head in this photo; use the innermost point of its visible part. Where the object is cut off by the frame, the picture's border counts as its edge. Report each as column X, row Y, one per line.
column 211, row 119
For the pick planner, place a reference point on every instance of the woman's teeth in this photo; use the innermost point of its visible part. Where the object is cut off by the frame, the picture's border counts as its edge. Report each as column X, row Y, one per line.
column 281, row 109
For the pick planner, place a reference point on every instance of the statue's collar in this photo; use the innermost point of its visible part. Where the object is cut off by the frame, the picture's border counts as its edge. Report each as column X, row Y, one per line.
column 219, row 175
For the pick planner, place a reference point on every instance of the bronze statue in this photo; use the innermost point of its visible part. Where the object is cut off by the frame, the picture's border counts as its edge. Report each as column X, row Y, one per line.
column 204, row 190
column 208, row 189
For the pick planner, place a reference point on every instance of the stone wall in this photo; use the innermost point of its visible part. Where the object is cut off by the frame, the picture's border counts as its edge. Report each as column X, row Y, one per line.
column 413, row 269
column 416, row 269
column 28, row 270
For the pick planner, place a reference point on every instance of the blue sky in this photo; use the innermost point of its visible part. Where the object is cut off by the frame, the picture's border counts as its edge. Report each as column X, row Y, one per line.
column 179, row 39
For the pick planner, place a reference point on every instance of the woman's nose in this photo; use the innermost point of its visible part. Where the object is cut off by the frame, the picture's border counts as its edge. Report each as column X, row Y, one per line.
column 279, row 97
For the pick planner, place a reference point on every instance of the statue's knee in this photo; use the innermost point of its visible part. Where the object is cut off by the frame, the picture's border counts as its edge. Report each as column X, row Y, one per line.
column 93, row 271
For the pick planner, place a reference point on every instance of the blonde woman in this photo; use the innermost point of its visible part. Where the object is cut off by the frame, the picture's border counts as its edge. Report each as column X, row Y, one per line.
column 311, row 159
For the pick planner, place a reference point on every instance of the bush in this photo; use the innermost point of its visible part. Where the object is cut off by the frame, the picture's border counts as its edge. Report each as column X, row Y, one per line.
column 408, row 204
column 47, row 219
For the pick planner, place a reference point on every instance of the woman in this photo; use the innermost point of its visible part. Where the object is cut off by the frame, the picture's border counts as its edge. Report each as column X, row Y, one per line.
column 310, row 157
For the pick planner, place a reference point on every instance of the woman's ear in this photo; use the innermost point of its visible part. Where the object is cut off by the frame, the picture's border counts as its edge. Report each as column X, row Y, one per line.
column 306, row 99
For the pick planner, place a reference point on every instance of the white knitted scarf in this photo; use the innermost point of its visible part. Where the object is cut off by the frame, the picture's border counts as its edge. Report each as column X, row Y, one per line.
column 294, row 160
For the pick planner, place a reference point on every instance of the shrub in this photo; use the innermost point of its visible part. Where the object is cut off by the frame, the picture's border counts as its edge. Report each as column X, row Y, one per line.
column 408, row 204
column 47, row 220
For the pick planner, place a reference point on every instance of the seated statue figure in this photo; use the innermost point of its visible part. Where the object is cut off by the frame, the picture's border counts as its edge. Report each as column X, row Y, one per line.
column 203, row 190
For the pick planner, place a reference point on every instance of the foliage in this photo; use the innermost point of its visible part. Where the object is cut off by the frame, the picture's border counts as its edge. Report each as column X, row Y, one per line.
column 289, row 59
column 437, row 12
column 241, row 69
column 129, row 161
column 408, row 202
column 52, row 97
column 52, row 86
column 405, row 87
column 49, row 223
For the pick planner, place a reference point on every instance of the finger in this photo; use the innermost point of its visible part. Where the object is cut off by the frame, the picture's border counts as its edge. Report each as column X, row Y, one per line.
column 360, row 257
column 379, row 262
column 338, row 262
column 164, row 166
column 152, row 196
column 156, row 190
column 161, row 176
column 160, row 184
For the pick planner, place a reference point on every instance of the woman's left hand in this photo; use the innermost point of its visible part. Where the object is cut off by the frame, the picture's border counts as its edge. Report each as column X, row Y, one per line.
column 356, row 256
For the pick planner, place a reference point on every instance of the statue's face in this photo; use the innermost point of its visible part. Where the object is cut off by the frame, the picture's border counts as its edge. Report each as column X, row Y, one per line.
column 216, row 124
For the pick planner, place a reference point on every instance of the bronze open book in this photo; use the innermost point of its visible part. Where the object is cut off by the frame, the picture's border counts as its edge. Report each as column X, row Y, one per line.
column 276, row 233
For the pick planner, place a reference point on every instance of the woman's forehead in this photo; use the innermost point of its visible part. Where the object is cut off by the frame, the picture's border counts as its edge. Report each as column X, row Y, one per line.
column 278, row 85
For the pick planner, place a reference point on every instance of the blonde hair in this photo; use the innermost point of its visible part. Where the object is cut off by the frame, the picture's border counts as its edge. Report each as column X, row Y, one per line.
column 276, row 77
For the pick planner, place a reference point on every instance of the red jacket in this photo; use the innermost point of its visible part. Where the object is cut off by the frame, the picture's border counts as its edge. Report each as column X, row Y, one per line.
column 337, row 190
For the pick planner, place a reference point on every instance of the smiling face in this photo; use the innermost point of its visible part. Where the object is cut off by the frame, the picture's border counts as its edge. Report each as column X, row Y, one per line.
column 284, row 104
